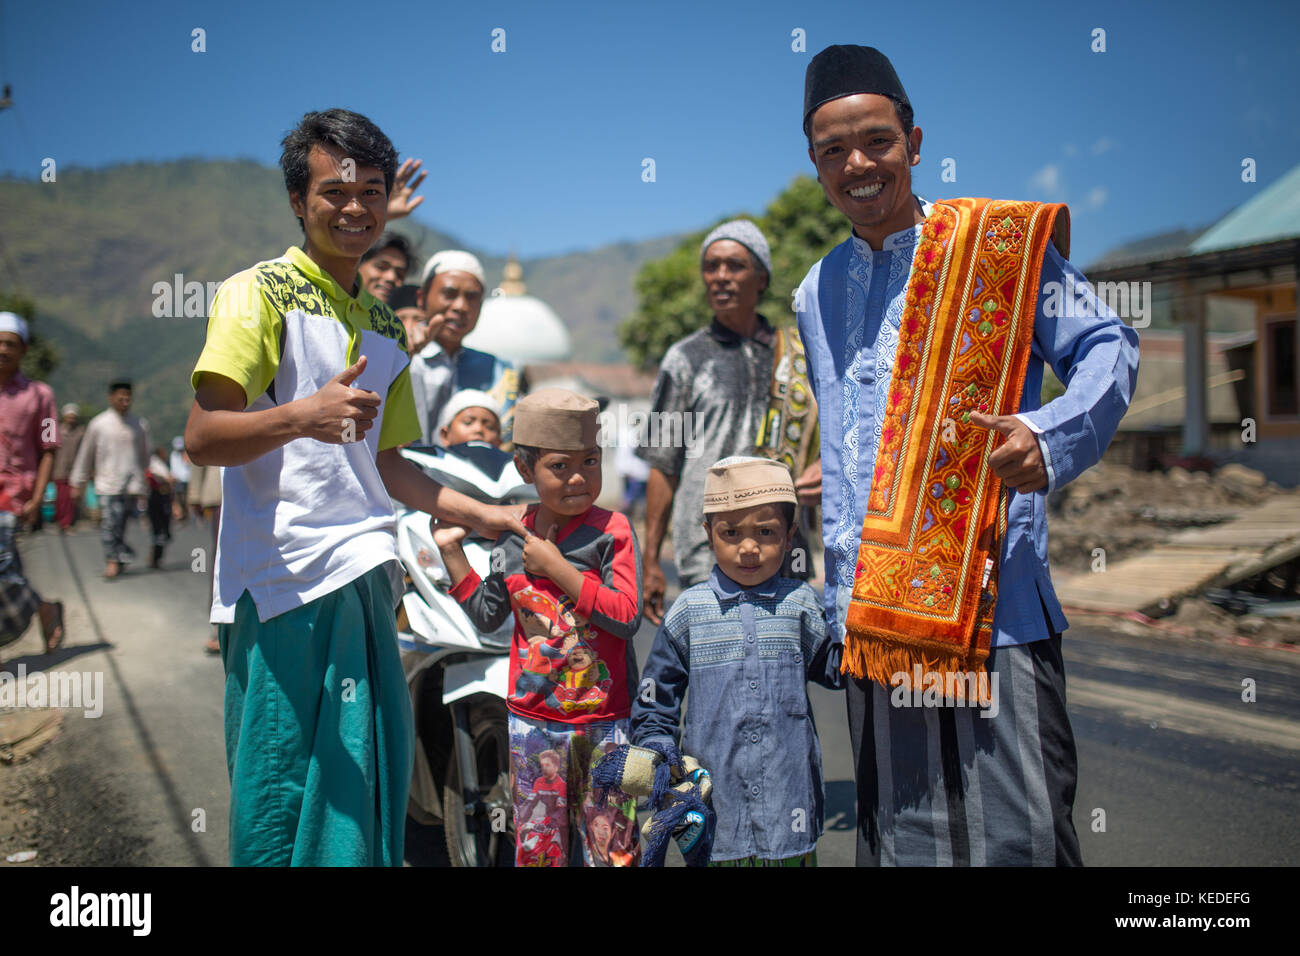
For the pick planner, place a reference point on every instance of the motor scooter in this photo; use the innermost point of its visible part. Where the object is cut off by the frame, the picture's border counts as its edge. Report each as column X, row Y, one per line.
column 458, row 678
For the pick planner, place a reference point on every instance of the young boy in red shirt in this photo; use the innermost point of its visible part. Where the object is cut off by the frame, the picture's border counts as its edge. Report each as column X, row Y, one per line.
column 574, row 585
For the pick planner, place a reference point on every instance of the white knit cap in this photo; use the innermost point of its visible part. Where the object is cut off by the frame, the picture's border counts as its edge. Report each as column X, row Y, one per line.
column 453, row 260
column 11, row 322
column 467, row 398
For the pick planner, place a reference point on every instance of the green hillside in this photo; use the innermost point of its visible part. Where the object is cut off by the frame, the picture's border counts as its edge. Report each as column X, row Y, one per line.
column 89, row 249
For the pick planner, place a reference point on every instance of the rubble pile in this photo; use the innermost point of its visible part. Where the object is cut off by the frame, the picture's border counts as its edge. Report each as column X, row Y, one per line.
column 1124, row 512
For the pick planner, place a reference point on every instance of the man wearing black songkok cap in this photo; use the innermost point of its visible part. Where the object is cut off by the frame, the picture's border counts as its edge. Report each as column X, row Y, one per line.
column 926, row 346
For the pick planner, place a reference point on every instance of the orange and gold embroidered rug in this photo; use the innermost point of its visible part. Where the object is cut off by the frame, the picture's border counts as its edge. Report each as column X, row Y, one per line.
column 926, row 579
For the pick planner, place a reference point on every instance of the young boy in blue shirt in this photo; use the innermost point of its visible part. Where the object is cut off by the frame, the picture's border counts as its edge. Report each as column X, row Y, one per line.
column 746, row 642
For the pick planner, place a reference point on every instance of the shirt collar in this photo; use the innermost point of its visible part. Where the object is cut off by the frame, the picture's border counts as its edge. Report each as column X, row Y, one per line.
column 903, row 239
column 763, row 333
column 326, row 282
column 728, row 590
column 17, row 383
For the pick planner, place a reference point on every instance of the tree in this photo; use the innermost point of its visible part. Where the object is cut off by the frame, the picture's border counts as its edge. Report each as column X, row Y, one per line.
column 801, row 227
column 42, row 358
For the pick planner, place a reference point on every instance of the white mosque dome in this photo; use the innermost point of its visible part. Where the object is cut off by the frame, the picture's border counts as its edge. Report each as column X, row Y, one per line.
column 518, row 327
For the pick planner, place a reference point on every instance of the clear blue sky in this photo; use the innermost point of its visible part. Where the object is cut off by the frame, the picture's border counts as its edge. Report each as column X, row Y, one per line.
column 540, row 148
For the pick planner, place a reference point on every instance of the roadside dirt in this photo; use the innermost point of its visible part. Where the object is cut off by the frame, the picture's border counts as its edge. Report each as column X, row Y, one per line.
column 1126, row 512
column 53, row 802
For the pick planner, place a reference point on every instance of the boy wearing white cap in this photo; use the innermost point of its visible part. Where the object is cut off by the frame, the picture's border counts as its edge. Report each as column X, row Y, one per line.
column 471, row 415
column 574, row 585
column 746, row 642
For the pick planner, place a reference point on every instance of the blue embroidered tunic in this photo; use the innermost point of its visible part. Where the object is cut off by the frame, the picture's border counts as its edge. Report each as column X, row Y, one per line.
column 850, row 307
column 746, row 656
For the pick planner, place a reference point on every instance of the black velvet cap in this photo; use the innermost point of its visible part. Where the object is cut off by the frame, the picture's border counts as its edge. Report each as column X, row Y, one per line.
column 843, row 70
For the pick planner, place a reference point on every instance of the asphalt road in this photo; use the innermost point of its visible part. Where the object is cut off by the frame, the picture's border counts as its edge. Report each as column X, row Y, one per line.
column 1186, row 772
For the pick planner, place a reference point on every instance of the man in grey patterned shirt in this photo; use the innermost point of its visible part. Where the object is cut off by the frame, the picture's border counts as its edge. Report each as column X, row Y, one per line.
column 716, row 382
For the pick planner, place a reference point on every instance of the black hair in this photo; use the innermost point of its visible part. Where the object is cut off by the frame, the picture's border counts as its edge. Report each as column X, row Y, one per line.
column 358, row 138
column 120, row 383
column 787, row 512
column 392, row 240
column 905, row 119
column 403, row 297
column 528, row 454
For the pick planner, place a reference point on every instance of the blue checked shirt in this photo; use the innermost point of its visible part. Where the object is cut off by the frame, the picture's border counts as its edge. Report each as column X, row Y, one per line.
column 850, row 306
column 746, row 656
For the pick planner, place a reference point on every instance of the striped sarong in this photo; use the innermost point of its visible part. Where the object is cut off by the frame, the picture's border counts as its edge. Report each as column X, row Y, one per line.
column 18, row 601
column 943, row 786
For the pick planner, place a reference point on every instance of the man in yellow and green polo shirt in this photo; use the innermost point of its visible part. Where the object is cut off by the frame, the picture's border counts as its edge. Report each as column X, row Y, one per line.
column 302, row 392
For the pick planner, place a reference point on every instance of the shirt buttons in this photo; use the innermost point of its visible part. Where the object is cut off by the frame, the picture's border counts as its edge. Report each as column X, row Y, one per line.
column 754, row 738
column 749, row 638
column 754, row 790
column 753, row 685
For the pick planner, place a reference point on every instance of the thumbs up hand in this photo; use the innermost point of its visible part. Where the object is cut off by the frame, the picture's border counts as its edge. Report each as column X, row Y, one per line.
column 1018, row 461
column 338, row 413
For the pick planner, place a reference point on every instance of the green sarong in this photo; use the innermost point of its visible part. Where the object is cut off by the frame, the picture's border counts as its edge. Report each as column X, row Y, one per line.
column 319, row 737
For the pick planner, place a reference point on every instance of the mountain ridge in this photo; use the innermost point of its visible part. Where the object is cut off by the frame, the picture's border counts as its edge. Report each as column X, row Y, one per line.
column 94, row 249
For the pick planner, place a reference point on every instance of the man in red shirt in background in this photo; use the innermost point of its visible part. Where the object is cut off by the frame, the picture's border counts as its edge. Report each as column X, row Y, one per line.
column 28, row 438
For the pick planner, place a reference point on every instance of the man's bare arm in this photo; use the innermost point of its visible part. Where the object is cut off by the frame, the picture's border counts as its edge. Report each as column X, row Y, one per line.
column 221, row 432
column 660, row 489
column 413, row 488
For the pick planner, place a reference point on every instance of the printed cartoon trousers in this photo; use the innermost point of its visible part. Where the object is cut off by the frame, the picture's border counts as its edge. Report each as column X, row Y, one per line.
column 319, row 735
column 550, row 788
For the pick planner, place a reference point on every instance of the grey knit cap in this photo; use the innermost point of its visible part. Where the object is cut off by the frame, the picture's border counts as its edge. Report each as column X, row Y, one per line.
column 747, row 234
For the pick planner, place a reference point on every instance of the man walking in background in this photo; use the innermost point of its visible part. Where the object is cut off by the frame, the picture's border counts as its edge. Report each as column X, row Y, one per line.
column 28, row 438
column 739, row 387
column 115, row 455
column 71, row 431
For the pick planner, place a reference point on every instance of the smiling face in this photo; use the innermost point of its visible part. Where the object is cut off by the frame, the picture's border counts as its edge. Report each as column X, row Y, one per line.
column 733, row 282
column 749, row 544
column 343, row 209
column 453, row 299
column 579, row 658
column 567, row 482
column 864, row 163
column 383, row 272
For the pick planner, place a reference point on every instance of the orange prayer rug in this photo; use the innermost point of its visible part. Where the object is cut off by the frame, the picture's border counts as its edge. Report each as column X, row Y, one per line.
column 925, row 584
